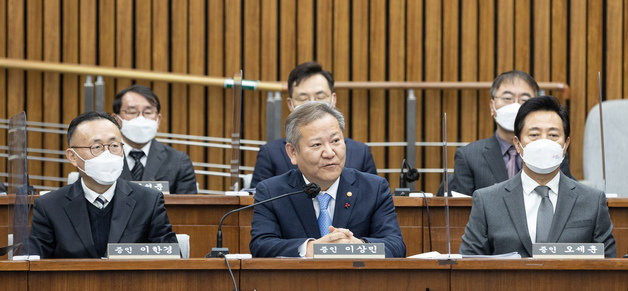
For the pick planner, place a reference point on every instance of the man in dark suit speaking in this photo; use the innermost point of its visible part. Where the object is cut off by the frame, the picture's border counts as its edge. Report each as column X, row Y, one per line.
column 352, row 207
column 78, row 220
column 540, row 204
column 137, row 108
column 308, row 82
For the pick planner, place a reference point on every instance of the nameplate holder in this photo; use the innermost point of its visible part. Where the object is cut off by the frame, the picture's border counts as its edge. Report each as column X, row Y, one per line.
column 161, row 186
column 350, row 251
column 568, row 251
column 135, row 251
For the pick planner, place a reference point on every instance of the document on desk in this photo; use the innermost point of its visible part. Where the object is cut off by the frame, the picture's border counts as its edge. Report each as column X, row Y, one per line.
column 513, row 255
column 436, row 256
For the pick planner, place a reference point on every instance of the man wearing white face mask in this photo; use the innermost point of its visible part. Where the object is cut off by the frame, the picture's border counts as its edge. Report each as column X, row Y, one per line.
column 78, row 220
column 137, row 109
column 489, row 161
column 540, row 204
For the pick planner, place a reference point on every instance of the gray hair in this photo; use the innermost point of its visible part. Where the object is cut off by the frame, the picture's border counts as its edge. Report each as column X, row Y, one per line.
column 306, row 113
column 512, row 76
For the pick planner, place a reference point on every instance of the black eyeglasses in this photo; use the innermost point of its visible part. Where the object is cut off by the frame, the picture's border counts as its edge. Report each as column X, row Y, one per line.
column 98, row 148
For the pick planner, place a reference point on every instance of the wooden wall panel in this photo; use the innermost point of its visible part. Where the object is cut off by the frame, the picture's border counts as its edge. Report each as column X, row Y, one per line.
column 359, row 40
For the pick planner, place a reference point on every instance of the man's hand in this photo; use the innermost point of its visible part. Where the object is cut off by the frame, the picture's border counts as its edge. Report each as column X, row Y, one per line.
column 335, row 236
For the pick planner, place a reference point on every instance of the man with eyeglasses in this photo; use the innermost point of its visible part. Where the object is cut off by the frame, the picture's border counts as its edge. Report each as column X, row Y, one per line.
column 137, row 109
column 78, row 220
column 489, row 161
column 308, row 82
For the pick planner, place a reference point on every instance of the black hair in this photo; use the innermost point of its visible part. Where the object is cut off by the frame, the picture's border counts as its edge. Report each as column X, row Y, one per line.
column 542, row 103
column 306, row 70
column 88, row 116
column 139, row 89
column 511, row 76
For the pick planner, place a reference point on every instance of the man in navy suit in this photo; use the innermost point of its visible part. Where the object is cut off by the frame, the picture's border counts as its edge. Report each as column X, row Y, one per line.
column 352, row 207
column 308, row 82
column 78, row 220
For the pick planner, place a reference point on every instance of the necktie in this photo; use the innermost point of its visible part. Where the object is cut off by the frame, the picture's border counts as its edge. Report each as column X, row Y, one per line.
column 138, row 168
column 324, row 220
column 511, row 166
column 101, row 200
column 545, row 216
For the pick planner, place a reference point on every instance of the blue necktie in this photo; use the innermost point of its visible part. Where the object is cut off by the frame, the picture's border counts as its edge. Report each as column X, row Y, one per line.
column 102, row 201
column 324, row 220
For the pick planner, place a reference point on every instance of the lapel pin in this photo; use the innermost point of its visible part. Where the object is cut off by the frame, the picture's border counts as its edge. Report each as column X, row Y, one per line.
column 347, row 205
column 349, row 194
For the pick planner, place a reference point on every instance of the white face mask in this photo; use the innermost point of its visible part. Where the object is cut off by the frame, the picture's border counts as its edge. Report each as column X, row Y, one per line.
column 104, row 169
column 139, row 130
column 505, row 116
column 542, row 156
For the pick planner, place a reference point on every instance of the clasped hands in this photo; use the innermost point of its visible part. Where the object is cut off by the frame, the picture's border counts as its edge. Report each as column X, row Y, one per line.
column 335, row 236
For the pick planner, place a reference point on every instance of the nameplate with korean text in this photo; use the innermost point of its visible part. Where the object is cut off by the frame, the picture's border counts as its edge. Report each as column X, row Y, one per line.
column 568, row 251
column 350, row 251
column 161, row 186
column 133, row 251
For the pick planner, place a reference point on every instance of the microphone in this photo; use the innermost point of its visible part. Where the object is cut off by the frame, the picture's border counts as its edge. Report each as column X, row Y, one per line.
column 310, row 189
column 410, row 175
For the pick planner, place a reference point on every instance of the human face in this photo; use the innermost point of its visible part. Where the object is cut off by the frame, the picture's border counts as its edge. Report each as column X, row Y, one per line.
column 510, row 92
column 542, row 125
column 134, row 105
column 314, row 88
column 88, row 133
column 321, row 151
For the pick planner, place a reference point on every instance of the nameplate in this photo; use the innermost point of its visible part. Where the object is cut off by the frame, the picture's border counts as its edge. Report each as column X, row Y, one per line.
column 133, row 251
column 568, row 251
column 350, row 251
column 161, row 186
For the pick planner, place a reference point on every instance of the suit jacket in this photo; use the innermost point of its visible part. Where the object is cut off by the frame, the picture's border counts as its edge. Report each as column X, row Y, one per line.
column 164, row 163
column 61, row 228
column 2, row 189
column 480, row 164
column 272, row 160
column 281, row 226
column 498, row 224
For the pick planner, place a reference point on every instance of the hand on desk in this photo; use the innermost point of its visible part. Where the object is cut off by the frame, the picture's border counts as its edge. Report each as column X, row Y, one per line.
column 335, row 236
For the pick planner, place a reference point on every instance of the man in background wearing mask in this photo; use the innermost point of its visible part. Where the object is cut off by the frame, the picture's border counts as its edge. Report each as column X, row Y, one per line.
column 489, row 161
column 308, row 82
column 78, row 220
column 540, row 204
column 137, row 108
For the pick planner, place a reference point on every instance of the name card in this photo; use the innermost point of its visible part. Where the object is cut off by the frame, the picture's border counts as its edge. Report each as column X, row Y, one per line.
column 133, row 251
column 568, row 251
column 161, row 186
column 350, row 251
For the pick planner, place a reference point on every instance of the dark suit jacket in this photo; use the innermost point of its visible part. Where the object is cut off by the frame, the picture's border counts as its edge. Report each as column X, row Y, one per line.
column 480, row 164
column 167, row 164
column 61, row 228
column 498, row 224
column 281, row 226
column 2, row 189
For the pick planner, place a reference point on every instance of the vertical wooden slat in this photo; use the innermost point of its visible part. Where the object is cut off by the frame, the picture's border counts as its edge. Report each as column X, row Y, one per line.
column 371, row 57
column 287, row 43
column 161, row 57
column 268, row 53
column 34, row 110
column 107, row 45
column 179, row 53
column 124, row 39
column 614, row 49
column 414, row 64
column 3, row 80
column 625, row 48
column 358, row 127
column 578, row 81
column 305, row 30
column 397, row 100
column 233, row 63
column 51, row 94
column 469, row 68
column 433, row 69
column 15, row 49
column 486, row 48
column 505, row 35
column 559, row 42
column 450, row 72
column 252, row 119
column 142, row 40
column 196, row 108
column 595, row 27
column 522, row 35
column 216, row 101
column 341, row 52
column 324, row 34
column 542, row 59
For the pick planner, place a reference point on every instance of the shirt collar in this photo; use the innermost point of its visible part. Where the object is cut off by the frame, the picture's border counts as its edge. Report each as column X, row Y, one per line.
column 529, row 184
column 503, row 144
column 127, row 148
column 91, row 195
column 333, row 189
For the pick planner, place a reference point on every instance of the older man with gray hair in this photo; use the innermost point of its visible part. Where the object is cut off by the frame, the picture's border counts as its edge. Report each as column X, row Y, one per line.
column 352, row 207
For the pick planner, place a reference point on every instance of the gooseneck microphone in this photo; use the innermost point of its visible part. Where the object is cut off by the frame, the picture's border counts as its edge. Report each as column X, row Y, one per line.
column 310, row 189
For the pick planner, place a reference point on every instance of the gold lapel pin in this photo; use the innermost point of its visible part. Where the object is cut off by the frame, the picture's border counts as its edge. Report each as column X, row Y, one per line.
column 349, row 194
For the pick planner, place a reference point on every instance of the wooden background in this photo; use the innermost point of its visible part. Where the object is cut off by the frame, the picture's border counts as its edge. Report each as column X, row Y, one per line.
column 359, row 40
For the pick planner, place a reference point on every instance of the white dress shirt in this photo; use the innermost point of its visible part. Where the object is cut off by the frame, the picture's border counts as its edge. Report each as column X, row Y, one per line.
column 532, row 200
column 130, row 160
column 332, row 191
column 91, row 195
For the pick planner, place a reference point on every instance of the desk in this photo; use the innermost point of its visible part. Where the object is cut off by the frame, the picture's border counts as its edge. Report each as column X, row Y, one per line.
column 13, row 275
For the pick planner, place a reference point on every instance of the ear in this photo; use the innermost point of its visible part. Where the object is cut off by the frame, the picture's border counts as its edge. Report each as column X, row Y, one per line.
column 158, row 120
column 333, row 99
column 492, row 107
column 117, row 118
column 566, row 146
column 291, row 150
column 517, row 144
column 289, row 103
column 71, row 156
